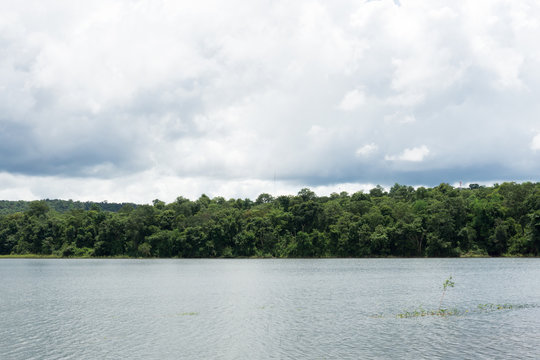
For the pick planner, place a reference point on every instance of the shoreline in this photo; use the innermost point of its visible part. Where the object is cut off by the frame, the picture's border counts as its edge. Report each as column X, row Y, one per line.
column 37, row 256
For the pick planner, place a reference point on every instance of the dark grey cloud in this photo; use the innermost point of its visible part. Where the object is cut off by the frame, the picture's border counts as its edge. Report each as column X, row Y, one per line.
column 99, row 152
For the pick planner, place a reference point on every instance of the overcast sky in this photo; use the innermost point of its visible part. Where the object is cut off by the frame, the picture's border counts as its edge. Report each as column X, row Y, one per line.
column 125, row 100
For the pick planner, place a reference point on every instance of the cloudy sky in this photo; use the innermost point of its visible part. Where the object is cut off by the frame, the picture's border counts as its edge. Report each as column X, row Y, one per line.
column 133, row 100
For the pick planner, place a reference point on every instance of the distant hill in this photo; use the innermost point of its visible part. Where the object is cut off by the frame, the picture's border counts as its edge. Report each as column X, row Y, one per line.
column 61, row 206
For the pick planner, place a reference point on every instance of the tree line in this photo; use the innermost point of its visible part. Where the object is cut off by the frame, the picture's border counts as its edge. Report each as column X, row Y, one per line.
column 442, row 221
column 9, row 207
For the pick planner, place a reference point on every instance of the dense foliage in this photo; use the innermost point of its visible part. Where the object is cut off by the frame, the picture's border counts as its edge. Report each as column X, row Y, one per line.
column 10, row 207
column 440, row 221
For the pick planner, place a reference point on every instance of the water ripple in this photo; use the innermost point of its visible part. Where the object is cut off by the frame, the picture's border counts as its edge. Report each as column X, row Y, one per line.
column 265, row 309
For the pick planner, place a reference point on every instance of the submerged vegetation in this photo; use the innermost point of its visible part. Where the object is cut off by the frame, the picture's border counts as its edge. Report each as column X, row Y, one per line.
column 420, row 312
column 435, row 222
column 448, row 283
column 481, row 308
column 191, row 313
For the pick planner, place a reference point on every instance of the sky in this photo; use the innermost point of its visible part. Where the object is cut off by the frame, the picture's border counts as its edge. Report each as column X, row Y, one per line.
column 135, row 100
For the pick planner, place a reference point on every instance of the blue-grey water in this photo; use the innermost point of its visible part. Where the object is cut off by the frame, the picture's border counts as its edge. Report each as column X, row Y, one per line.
column 267, row 309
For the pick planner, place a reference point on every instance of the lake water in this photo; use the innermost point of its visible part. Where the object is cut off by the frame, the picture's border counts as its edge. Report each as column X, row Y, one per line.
column 267, row 309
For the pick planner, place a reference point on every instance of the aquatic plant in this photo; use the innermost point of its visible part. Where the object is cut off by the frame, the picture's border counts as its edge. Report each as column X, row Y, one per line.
column 188, row 314
column 495, row 307
column 421, row 313
column 447, row 283
column 481, row 308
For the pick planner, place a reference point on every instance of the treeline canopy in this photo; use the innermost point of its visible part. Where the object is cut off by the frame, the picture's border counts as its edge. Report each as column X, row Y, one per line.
column 440, row 221
column 10, row 207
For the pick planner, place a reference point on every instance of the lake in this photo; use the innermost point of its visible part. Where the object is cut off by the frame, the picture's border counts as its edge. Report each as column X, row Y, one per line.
column 268, row 309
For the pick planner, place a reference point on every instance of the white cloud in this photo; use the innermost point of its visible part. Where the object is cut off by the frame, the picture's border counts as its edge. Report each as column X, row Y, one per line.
column 535, row 144
column 366, row 150
column 147, row 186
column 416, row 154
column 352, row 100
column 400, row 118
column 194, row 95
column 408, row 119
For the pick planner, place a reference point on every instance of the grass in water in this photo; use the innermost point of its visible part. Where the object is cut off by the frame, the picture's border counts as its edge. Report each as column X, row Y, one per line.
column 481, row 308
column 421, row 312
column 495, row 307
column 188, row 314
column 448, row 283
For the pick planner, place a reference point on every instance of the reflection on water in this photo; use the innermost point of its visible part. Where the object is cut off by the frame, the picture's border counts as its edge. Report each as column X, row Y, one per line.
column 267, row 309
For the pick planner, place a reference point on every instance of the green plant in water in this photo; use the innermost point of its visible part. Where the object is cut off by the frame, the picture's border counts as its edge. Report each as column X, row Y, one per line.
column 447, row 283
column 493, row 307
column 421, row 313
column 481, row 308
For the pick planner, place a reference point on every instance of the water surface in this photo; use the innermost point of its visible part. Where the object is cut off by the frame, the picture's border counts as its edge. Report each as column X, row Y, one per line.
column 266, row 309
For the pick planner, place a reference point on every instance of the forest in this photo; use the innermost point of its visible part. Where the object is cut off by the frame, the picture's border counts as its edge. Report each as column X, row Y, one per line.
column 442, row 221
column 8, row 207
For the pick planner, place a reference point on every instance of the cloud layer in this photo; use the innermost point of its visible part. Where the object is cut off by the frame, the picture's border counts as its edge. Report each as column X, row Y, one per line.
column 179, row 98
